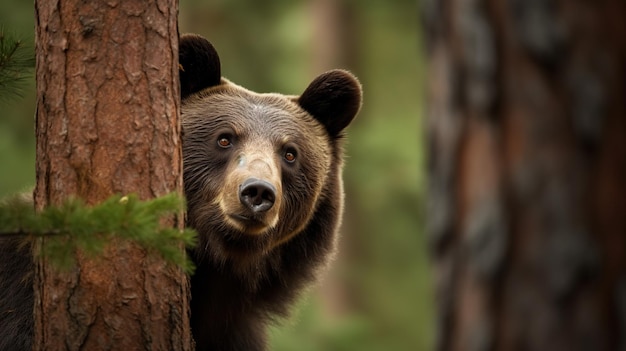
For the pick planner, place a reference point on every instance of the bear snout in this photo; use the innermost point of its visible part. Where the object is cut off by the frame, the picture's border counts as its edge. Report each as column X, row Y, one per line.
column 257, row 195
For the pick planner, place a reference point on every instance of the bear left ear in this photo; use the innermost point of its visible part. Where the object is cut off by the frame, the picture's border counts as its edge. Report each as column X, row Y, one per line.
column 334, row 99
column 199, row 64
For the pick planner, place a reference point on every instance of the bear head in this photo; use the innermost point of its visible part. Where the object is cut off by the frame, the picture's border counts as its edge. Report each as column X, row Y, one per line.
column 257, row 167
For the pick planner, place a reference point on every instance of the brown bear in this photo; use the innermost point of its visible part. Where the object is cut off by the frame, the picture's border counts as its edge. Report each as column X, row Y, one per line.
column 262, row 177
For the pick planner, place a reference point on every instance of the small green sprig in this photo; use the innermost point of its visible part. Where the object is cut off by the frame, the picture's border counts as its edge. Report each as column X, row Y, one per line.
column 75, row 226
column 16, row 63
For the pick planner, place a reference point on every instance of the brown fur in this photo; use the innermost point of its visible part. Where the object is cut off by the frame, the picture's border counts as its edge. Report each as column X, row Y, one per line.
column 250, row 271
column 16, row 294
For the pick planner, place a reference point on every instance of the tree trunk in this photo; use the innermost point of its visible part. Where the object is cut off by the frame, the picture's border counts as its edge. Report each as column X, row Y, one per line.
column 107, row 123
column 334, row 38
column 527, row 173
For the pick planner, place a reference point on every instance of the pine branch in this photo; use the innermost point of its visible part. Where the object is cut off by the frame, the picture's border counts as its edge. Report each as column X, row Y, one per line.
column 16, row 62
column 74, row 226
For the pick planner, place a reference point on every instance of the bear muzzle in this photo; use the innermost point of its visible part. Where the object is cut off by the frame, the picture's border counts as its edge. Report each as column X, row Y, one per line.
column 251, row 200
column 256, row 210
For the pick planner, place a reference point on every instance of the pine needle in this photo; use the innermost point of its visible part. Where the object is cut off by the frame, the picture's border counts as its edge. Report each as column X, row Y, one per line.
column 16, row 62
column 75, row 226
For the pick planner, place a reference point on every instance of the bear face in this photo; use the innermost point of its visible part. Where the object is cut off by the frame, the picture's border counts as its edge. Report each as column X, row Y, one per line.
column 268, row 162
column 255, row 165
column 262, row 177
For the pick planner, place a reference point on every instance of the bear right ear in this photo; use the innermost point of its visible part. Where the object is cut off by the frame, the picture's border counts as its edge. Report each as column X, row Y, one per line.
column 199, row 64
column 334, row 99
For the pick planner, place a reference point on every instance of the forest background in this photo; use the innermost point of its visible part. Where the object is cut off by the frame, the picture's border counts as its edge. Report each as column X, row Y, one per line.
column 378, row 294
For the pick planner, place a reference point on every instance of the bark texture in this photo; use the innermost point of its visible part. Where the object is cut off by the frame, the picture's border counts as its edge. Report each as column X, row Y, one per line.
column 107, row 123
column 527, row 169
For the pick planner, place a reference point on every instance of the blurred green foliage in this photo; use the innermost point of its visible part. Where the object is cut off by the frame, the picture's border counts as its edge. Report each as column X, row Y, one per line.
column 17, row 141
column 378, row 294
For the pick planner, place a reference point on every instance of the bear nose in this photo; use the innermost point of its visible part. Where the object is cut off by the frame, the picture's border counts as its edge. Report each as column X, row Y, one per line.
column 256, row 194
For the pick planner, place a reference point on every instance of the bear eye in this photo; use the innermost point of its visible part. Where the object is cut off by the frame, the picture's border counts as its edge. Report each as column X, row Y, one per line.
column 290, row 155
column 224, row 142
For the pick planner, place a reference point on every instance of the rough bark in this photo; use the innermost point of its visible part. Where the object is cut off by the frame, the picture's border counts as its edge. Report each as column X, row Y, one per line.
column 527, row 170
column 107, row 123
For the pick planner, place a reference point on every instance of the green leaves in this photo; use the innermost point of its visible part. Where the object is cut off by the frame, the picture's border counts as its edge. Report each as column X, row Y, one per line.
column 75, row 226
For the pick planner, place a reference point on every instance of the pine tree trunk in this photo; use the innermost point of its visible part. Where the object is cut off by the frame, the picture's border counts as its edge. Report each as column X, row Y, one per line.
column 527, row 169
column 107, row 123
column 334, row 37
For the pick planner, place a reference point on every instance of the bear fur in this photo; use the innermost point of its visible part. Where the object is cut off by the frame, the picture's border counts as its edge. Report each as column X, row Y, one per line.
column 262, row 178
column 16, row 295
column 255, row 256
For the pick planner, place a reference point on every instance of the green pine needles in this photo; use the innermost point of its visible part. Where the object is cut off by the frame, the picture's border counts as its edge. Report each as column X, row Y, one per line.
column 16, row 61
column 74, row 226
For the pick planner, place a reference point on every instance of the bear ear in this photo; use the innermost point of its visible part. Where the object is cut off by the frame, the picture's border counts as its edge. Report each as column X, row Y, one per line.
column 334, row 99
column 199, row 64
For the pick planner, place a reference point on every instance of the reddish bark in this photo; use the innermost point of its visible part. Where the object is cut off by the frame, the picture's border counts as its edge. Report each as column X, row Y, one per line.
column 527, row 168
column 107, row 123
